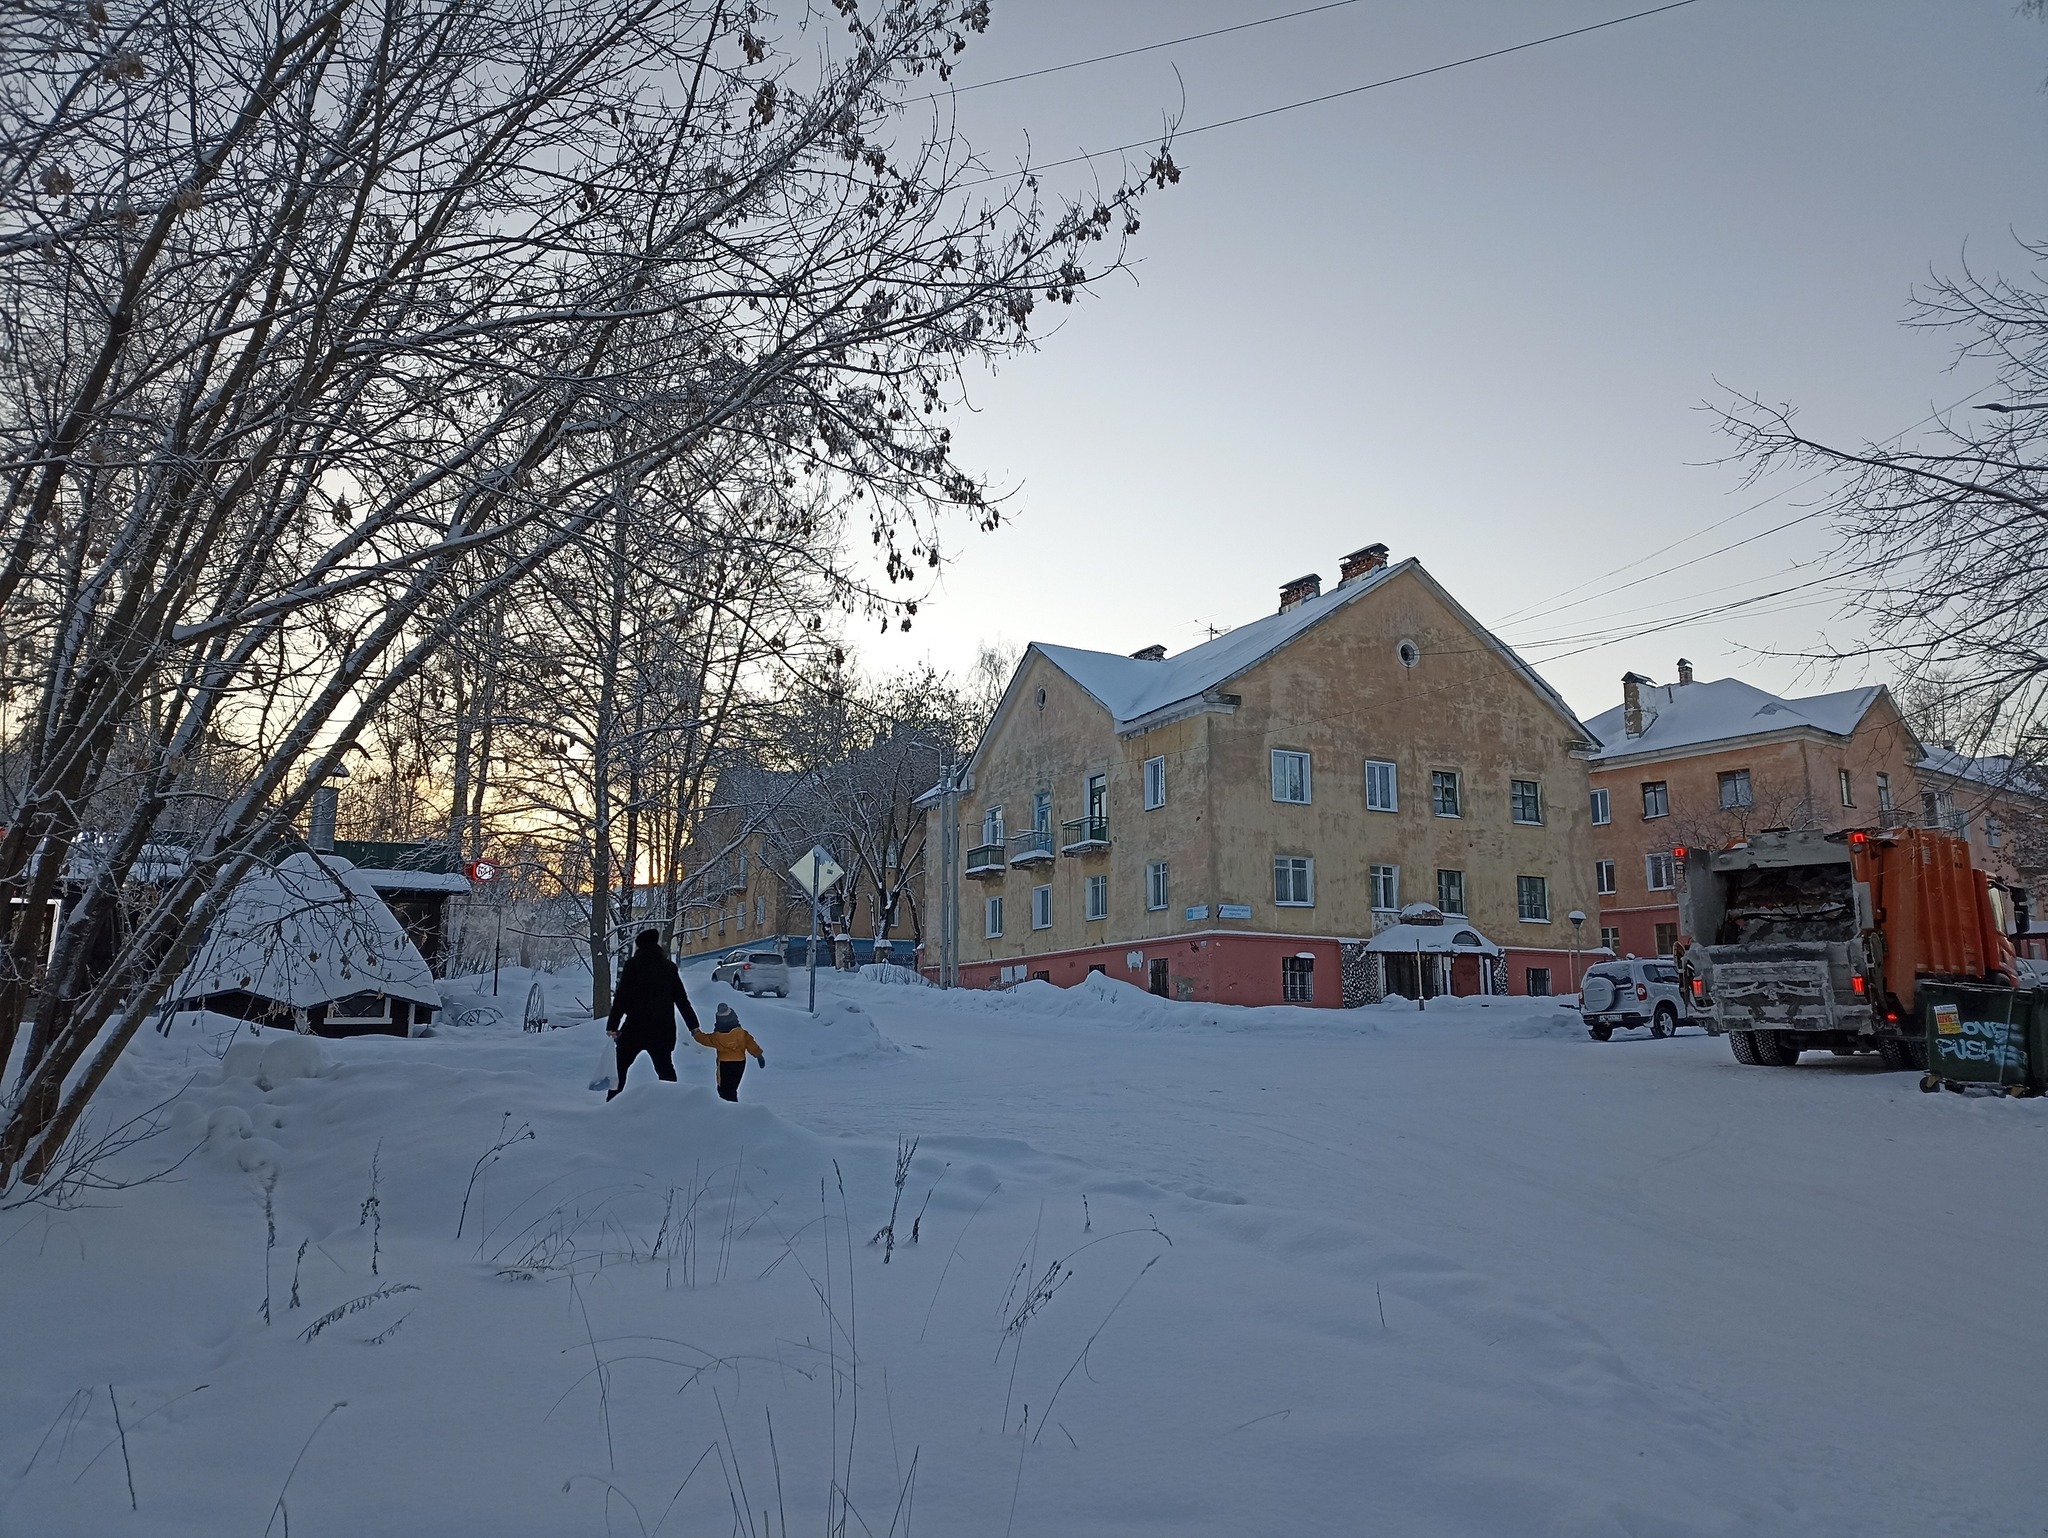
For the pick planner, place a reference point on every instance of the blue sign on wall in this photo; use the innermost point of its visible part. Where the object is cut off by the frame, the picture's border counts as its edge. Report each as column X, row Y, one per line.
column 1197, row 913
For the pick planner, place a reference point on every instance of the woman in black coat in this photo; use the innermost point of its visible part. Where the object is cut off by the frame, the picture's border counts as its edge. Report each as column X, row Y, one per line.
column 649, row 992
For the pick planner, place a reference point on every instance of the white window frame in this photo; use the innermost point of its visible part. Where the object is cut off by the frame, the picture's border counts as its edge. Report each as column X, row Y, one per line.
column 1993, row 833
column 1155, row 783
column 992, row 830
column 1095, row 898
column 1884, row 795
column 1041, row 812
column 1663, row 789
column 1157, row 878
column 760, row 911
column 1441, row 889
column 1542, row 890
column 1535, row 788
column 1390, row 875
column 1848, row 787
column 1603, row 808
column 1297, row 979
column 1656, row 863
column 1296, row 865
column 1391, row 776
column 1294, row 758
column 1603, row 878
column 1041, row 907
column 992, row 918
column 1456, row 782
column 1738, row 781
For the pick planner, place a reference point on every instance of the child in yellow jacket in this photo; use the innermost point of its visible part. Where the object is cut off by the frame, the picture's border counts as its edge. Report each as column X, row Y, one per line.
column 733, row 1045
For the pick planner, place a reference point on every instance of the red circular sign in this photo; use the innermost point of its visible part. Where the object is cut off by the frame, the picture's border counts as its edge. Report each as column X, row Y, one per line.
column 483, row 870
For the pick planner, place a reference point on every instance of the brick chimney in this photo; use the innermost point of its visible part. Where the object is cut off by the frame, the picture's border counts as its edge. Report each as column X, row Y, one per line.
column 1149, row 654
column 1360, row 562
column 1300, row 591
column 1632, row 703
column 1684, row 671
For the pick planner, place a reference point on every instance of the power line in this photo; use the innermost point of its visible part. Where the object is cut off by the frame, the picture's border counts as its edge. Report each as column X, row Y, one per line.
column 1127, row 53
column 1329, row 96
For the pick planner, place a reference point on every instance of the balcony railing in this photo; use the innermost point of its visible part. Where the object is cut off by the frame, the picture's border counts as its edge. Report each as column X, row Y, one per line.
column 985, row 860
column 1084, row 834
column 1029, row 847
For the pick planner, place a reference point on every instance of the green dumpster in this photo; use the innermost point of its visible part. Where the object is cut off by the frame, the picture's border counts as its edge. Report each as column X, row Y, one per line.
column 1980, row 1035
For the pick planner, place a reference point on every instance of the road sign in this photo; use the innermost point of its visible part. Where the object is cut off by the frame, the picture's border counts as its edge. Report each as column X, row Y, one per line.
column 483, row 870
column 817, row 870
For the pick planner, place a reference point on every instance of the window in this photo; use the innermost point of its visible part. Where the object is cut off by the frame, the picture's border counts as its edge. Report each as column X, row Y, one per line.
column 1041, row 812
column 1610, row 939
column 1992, row 832
column 1155, row 783
column 1294, row 884
column 1382, row 792
column 1656, row 799
column 1290, row 777
column 1525, row 797
column 1532, row 899
column 760, row 910
column 1443, row 793
column 1667, row 939
column 992, row 917
column 1659, row 873
column 992, row 825
column 1735, row 790
column 1536, row 982
column 1602, row 812
column 1155, row 886
column 1450, row 891
column 1884, row 799
column 1603, row 877
column 1041, row 907
column 1386, row 888
column 1298, row 979
column 1848, row 787
column 1098, row 797
column 743, row 867
column 1097, row 892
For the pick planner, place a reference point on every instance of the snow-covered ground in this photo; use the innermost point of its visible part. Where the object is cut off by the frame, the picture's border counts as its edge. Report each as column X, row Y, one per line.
column 1159, row 1268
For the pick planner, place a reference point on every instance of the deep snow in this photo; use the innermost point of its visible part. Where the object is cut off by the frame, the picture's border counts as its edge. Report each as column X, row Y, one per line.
column 1454, row 1271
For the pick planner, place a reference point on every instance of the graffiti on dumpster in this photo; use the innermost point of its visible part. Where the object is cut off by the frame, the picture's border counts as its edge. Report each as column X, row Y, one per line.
column 1979, row 1041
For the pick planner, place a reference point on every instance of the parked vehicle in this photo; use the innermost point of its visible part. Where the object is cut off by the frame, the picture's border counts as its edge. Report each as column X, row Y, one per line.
column 1806, row 941
column 1620, row 995
column 728, row 966
column 763, row 972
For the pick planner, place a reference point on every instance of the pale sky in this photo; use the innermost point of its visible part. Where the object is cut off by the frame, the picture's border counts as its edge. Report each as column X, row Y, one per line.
column 1474, row 316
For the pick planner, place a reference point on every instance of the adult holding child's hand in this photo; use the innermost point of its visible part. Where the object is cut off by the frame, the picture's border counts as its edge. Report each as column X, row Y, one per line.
column 644, row 1004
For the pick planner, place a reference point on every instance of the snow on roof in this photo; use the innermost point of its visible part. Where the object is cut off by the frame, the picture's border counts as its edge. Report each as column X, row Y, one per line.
column 1677, row 716
column 1998, row 771
column 306, row 931
column 414, row 880
column 1131, row 689
column 1453, row 935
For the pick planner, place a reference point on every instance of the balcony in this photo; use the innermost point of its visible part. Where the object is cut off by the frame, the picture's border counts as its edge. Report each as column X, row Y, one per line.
column 1084, row 835
column 1032, row 847
column 985, row 860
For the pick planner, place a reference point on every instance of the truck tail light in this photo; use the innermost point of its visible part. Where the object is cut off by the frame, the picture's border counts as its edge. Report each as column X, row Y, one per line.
column 1856, row 983
column 1699, row 987
column 1642, row 993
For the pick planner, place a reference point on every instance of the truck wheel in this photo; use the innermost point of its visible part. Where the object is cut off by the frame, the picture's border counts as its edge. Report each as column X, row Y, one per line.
column 1916, row 1053
column 1664, row 1022
column 1770, row 1049
column 1600, row 1032
column 1743, row 1045
column 1788, row 1049
column 1892, row 1052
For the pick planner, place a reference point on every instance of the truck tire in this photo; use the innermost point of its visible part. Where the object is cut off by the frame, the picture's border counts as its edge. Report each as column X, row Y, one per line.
column 1664, row 1022
column 1773, row 1050
column 1743, row 1045
column 1891, row 1051
column 1600, row 1032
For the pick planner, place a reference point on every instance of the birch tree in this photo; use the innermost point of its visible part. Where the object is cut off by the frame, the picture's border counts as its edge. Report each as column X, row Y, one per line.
column 324, row 326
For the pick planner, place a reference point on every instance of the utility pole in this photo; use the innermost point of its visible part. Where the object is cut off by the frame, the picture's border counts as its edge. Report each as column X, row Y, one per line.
column 949, row 878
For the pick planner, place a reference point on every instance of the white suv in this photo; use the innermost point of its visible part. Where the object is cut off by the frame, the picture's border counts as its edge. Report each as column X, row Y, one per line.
column 763, row 972
column 1618, row 995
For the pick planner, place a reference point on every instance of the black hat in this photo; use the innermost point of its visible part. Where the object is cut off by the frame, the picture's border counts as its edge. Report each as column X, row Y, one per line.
column 726, row 1018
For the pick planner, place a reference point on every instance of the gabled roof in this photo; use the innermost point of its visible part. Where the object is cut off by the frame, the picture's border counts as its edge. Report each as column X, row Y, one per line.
column 1677, row 717
column 1999, row 771
column 1133, row 691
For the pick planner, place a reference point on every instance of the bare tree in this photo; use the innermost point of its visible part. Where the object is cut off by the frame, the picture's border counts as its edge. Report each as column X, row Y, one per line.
column 324, row 328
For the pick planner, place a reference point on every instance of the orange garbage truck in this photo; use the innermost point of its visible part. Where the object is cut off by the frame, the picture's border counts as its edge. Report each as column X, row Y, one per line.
column 1804, row 941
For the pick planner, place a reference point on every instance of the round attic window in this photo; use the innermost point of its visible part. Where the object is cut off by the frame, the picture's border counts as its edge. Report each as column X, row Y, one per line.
column 1041, row 699
column 1409, row 653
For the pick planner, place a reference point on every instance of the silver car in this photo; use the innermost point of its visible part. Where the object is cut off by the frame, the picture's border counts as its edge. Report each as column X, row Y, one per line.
column 762, row 972
column 1620, row 995
column 728, row 966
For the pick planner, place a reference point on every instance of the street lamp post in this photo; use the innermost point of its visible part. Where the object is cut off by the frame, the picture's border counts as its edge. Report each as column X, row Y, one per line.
column 1578, row 918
